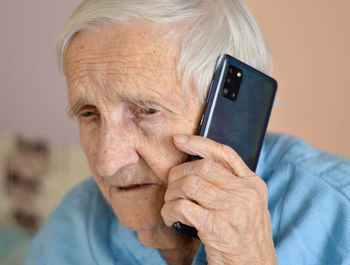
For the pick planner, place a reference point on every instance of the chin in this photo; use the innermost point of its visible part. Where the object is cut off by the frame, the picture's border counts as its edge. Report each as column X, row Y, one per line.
column 138, row 219
column 139, row 211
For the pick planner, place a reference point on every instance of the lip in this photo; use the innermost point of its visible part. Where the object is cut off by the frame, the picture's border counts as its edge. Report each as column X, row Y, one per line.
column 134, row 187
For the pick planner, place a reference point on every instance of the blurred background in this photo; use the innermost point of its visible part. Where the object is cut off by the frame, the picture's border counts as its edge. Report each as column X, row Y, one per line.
column 40, row 157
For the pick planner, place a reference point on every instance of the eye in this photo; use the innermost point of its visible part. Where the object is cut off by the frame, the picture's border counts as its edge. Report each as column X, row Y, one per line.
column 149, row 111
column 87, row 114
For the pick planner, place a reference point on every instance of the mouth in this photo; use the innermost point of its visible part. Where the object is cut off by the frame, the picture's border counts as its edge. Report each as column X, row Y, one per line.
column 135, row 187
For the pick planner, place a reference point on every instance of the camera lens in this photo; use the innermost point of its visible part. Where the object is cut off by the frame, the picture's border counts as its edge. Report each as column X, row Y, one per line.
column 232, row 83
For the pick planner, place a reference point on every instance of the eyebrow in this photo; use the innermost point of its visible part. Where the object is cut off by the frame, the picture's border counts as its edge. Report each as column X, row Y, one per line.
column 74, row 109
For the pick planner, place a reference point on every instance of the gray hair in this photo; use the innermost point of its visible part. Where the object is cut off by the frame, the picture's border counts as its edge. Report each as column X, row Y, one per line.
column 206, row 28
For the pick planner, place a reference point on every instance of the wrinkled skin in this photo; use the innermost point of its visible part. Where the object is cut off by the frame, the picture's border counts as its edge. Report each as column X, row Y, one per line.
column 123, row 89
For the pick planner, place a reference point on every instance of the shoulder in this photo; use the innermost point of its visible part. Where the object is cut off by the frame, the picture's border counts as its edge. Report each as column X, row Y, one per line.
column 79, row 204
column 308, row 201
column 282, row 150
column 68, row 235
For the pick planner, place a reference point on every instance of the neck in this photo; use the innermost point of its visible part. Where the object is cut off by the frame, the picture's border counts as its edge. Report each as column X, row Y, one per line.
column 174, row 247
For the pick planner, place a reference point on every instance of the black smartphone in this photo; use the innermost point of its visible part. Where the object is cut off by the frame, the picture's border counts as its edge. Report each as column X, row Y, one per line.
column 237, row 112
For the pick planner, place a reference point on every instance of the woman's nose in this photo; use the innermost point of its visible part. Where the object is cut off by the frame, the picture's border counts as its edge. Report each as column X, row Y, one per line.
column 115, row 151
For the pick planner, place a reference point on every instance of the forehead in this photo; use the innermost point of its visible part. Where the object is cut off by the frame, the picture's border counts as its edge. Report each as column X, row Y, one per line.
column 132, row 58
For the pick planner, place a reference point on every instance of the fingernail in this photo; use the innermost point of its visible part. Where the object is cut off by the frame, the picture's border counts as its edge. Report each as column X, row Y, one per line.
column 180, row 139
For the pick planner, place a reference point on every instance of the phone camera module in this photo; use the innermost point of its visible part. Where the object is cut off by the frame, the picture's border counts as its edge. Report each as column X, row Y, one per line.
column 232, row 83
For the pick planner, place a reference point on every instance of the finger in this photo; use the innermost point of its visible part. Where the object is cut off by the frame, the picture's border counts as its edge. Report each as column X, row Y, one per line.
column 206, row 169
column 184, row 211
column 198, row 190
column 209, row 149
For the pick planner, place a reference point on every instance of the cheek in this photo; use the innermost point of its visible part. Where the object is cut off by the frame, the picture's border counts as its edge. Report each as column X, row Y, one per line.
column 160, row 156
column 157, row 146
column 88, row 137
column 159, row 152
column 88, row 143
column 86, row 128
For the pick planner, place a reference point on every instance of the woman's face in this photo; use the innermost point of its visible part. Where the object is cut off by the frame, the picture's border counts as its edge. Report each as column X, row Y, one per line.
column 124, row 90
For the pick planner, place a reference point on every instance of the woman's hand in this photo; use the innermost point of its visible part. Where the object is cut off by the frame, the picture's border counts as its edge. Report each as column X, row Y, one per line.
column 224, row 200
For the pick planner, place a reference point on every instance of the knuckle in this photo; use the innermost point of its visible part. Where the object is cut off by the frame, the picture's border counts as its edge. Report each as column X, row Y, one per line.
column 207, row 225
column 203, row 222
column 190, row 168
column 231, row 157
column 257, row 194
column 228, row 201
column 225, row 148
column 229, row 151
column 205, row 166
column 253, row 198
column 181, row 207
column 261, row 188
column 165, row 213
column 190, row 185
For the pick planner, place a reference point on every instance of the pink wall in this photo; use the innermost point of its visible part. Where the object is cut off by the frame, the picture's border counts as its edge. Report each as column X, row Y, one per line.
column 309, row 41
column 32, row 91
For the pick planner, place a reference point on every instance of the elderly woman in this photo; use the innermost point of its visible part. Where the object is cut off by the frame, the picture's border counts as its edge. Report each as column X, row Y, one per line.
column 137, row 74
